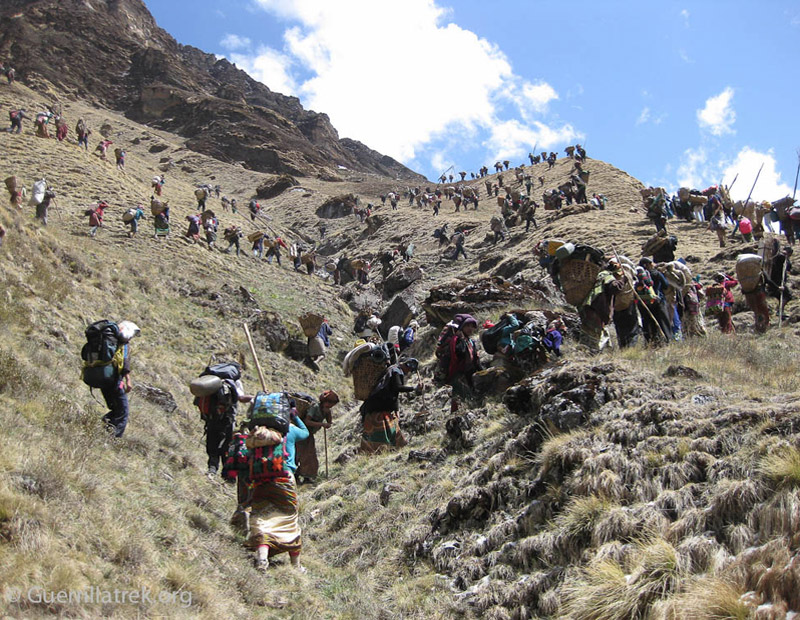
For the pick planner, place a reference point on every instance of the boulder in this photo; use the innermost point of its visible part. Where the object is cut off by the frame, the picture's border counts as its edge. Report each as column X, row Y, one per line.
column 337, row 206
column 157, row 396
column 269, row 329
column 400, row 279
column 297, row 349
column 276, row 186
column 400, row 312
column 676, row 370
column 485, row 295
column 512, row 266
column 360, row 299
column 374, row 222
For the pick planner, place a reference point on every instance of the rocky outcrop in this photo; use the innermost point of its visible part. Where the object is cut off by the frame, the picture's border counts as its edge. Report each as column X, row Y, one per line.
column 447, row 300
column 275, row 187
column 337, row 206
column 400, row 279
column 113, row 53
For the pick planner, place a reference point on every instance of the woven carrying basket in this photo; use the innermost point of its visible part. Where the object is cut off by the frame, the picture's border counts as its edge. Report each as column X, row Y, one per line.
column 302, row 405
column 255, row 236
column 158, row 208
column 310, row 323
column 624, row 299
column 366, row 374
column 748, row 272
column 577, row 279
column 11, row 184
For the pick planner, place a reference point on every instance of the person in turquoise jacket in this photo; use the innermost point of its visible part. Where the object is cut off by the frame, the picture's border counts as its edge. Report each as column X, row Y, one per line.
column 297, row 432
column 512, row 325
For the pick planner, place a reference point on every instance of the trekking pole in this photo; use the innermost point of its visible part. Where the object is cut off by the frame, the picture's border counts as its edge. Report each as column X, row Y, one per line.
column 422, row 394
column 644, row 305
column 752, row 188
column 57, row 208
column 796, row 176
column 255, row 357
column 325, row 437
column 783, row 288
column 730, row 187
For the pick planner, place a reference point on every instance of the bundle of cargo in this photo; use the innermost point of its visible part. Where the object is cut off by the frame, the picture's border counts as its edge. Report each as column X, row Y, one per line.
column 624, row 299
column 655, row 243
column 366, row 363
column 157, row 207
column 311, row 323
column 577, row 278
column 748, row 271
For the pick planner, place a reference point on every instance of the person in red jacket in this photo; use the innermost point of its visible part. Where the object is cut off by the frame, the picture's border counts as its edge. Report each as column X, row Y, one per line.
column 724, row 316
column 96, row 217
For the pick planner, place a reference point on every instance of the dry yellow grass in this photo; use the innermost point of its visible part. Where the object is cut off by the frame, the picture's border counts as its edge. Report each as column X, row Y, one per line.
column 79, row 509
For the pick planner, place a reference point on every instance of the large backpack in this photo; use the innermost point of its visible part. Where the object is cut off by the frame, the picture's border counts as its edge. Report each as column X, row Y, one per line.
column 447, row 334
column 490, row 337
column 256, row 464
column 13, row 114
column 215, row 390
column 271, row 410
column 103, row 354
column 715, row 299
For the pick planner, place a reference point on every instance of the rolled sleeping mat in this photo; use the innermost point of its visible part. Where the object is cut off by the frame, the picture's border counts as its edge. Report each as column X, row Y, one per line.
column 205, row 385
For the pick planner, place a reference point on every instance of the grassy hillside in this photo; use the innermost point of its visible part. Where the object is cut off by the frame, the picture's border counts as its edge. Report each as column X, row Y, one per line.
column 674, row 497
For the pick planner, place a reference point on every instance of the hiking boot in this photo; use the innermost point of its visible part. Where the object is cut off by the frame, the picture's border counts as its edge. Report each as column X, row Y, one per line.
column 212, row 471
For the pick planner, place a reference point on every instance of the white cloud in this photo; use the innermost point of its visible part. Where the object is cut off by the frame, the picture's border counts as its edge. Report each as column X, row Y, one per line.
column 746, row 164
column 694, row 170
column 233, row 42
column 538, row 95
column 440, row 161
column 698, row 171
column 684, row 56
column 647, row 116
column 513, row 139
column 270, row 67
column 346, row 44
column 718, row 115
column 685, row 16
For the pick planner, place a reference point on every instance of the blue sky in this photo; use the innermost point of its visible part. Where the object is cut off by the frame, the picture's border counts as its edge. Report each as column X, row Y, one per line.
column 674, row 93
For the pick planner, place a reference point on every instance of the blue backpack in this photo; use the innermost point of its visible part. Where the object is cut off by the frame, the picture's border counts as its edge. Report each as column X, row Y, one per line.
column 271, row 410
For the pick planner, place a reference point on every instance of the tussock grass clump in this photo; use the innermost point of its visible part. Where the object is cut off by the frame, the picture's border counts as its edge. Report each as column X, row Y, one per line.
column 580, row 517
column 707, row 598
column 782, row 468
column 605, row 591
column 562, row 451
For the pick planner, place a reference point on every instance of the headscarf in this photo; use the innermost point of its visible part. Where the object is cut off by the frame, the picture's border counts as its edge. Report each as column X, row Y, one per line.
column 330, row 397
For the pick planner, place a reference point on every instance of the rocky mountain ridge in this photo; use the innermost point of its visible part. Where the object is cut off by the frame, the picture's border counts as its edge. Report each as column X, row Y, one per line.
column 112, row 53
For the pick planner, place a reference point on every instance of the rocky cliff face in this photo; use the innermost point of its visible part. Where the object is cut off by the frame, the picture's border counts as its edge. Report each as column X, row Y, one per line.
column 113, row 53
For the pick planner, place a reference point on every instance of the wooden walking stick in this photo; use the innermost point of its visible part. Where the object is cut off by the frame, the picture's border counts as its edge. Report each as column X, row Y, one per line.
column 783, row 288
column 255, row 358
column 424, row 409
column 56, row 208
column 325, row 437
column 752, row 188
